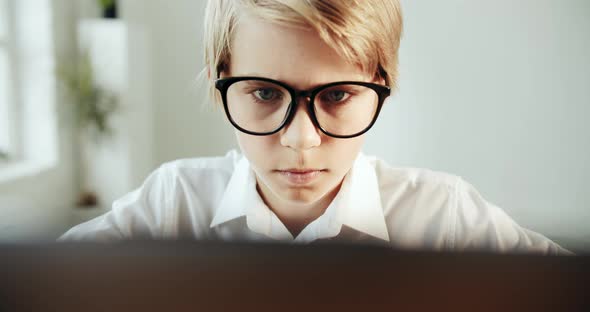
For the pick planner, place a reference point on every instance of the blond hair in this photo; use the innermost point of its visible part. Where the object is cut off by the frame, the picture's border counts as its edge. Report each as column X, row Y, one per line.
column 366, row 33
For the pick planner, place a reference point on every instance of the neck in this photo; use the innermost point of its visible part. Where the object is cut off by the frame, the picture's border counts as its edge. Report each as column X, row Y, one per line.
column 296, row 216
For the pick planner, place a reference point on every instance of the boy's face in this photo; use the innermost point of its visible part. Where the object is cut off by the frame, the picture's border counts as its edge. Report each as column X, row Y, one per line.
column 301, row 59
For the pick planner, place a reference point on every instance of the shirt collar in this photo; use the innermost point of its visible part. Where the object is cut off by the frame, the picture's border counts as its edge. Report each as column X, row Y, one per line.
column 360, row 205
column 359, row 200
column 234, row 200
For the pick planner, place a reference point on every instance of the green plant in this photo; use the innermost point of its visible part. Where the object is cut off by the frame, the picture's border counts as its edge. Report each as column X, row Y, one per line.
column 105, row 4
column 3, row 155
column 92, row 105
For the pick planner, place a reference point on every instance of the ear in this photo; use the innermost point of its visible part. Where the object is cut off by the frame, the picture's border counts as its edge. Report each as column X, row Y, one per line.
column 380, row 75
column 223, row 71
column 379, row 80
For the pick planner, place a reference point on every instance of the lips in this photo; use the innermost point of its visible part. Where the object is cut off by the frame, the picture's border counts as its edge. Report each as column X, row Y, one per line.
column 299, row 170
column 300, row 176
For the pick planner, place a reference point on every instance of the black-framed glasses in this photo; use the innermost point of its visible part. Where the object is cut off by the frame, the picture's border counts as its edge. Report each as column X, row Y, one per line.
column 263, row 106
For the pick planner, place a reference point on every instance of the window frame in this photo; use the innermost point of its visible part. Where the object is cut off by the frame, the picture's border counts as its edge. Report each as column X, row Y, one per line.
column 32, row 109
column 14, row 125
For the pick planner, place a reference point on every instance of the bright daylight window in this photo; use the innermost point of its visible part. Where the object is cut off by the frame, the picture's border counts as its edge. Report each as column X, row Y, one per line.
column 6, row 103
column 28, row 120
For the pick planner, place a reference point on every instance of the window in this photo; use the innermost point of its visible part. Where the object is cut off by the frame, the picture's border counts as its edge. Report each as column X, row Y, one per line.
column 28, row 114
column 7, row 142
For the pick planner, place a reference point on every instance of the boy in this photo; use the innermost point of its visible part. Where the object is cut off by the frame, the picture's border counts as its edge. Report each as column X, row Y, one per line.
column 302, row 82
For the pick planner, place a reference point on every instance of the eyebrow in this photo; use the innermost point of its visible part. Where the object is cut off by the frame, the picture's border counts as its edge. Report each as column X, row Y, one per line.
column 292, row 85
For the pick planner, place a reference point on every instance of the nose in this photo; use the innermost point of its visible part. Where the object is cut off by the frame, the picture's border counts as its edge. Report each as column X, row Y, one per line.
column 301, row 133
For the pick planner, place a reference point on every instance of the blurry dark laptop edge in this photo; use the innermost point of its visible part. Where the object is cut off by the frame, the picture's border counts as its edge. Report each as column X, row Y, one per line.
column 152, row 275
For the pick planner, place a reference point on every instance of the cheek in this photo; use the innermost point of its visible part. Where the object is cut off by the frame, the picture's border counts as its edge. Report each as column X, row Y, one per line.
column 344, row 151
column 258, row 149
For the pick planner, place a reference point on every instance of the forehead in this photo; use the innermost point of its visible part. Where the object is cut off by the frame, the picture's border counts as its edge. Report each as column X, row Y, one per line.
column 293, row 55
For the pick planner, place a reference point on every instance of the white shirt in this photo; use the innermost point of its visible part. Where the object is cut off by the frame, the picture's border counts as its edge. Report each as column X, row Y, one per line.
column 216, row 198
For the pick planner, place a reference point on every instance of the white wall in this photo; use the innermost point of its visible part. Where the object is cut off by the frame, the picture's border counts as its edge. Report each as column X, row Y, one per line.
column 494, row 91
column 497, row 92
column 185, row 125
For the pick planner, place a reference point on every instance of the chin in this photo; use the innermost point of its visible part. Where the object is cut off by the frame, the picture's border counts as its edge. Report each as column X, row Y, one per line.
column 300, row 196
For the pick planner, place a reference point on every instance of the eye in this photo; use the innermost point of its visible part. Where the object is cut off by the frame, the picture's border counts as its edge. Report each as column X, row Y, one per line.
column 266, row 94
column 335, row 95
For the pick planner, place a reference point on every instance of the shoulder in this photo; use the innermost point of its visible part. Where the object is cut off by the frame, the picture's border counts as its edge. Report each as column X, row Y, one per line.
column 176, row 196
column 434, row 209
column 186, row 182
column 419, row 204
column 188, row 190
column 220, row 165
column 412, row 179
column 194, row 172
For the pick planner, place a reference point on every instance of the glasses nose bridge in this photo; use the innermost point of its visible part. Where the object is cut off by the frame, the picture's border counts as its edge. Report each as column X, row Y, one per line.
column 298, row 94
column 301, row 94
